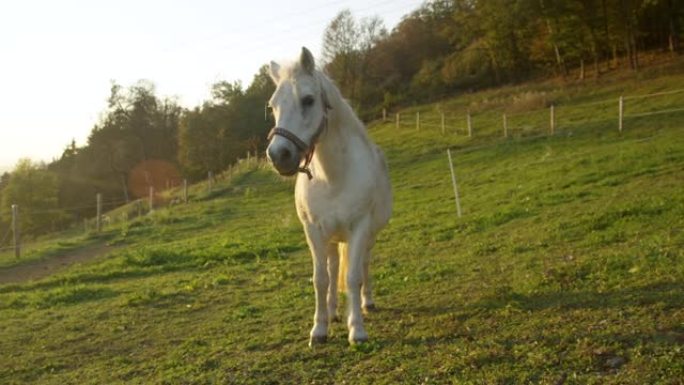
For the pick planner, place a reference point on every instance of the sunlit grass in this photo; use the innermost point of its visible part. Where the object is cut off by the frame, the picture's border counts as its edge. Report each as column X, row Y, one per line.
column 567, row 265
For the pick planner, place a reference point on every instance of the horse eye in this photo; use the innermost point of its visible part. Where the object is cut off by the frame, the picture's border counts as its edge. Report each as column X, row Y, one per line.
column 308, row 101
column 268, row 112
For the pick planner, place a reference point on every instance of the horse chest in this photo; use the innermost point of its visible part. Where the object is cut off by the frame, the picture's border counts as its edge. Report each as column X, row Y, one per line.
column 333, row 211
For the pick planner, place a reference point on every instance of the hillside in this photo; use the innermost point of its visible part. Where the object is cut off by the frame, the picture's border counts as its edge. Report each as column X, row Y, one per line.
column 566, row 267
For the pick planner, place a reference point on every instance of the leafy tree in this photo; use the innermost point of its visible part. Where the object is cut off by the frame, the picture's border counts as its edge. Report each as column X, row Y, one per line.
column 202, row 141
column 136, row 131
column 215, row 135
column 340, row 42
column 347, row 44
column 35, row 190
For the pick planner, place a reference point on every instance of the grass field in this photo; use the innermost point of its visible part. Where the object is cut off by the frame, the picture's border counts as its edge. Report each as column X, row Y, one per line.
column 566, row 268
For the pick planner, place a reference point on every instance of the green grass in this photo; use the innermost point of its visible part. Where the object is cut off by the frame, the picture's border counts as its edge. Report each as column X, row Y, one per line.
column 567, row 267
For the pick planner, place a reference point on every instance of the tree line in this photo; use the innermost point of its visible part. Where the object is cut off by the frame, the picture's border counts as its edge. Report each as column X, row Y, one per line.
column 442, row 48
column 141, row 141
column 450, row 46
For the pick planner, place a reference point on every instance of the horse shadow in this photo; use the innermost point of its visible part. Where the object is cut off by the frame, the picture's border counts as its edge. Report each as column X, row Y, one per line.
column 665, row 295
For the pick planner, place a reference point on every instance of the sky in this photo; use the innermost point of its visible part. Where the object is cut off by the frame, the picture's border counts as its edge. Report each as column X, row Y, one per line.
column 58, row 58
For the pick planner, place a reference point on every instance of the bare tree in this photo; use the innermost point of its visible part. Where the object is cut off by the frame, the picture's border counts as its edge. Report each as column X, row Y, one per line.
column 347, row 44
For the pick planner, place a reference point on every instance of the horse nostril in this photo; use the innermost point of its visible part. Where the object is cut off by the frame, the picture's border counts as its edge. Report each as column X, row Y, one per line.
column 286, row 155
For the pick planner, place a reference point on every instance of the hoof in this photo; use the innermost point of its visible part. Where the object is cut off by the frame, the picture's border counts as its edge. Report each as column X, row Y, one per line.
column 357, row 337
column 370, row 308
column 318, row 340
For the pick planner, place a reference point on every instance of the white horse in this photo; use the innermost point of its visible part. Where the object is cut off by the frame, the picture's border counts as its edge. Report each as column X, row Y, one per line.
column 342, row 194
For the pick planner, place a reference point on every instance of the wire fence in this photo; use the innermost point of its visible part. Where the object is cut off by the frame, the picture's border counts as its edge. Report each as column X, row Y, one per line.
column 122, row 211
column 496, row 124
column 549, row 119
column 206, row 188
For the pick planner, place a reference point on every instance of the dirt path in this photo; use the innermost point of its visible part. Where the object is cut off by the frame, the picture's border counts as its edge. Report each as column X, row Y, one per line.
column 48, row 266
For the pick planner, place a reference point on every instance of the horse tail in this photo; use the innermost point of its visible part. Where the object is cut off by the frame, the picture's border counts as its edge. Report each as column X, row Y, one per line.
column 343, row 251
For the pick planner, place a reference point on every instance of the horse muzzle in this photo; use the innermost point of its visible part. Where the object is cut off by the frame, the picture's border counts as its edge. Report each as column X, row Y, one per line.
column 285, row 158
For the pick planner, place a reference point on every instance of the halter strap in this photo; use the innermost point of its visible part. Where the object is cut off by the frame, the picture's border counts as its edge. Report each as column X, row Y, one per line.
column 289, row 136
column 307, row 149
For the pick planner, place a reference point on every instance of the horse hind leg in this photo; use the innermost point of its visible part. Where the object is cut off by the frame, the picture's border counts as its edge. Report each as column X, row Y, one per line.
column 367, row 303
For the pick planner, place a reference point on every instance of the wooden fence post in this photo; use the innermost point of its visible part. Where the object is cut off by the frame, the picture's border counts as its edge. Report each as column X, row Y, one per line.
column 151, row 199
column 505, row 126
column 185, row 191
column 469, row 121
column 16, row 231
column 552, row 119
column 210, row 181
column 418, row 121
column 621, row 110
column 384, row 115
column 453, row 182
column 98, row 218
column 398, row 120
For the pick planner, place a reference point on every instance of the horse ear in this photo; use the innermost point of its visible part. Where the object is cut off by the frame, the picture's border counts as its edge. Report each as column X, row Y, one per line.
column 307, row 61
column 274, row 71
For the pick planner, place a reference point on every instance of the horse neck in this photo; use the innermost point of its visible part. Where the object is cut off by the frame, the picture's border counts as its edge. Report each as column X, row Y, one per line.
column 333, row 153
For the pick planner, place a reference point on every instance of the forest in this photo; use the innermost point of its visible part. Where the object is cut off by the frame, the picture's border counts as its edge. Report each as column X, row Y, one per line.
column 441, row 49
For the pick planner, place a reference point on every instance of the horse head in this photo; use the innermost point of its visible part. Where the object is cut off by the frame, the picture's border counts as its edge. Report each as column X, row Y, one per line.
column 299, row 106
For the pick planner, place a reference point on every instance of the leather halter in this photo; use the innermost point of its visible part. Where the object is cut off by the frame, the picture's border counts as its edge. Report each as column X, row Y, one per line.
column 307, row 149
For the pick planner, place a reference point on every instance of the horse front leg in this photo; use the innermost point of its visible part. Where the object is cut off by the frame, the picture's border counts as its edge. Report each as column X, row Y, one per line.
column 333, row 271
column 358, row 248
column 318, row 247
